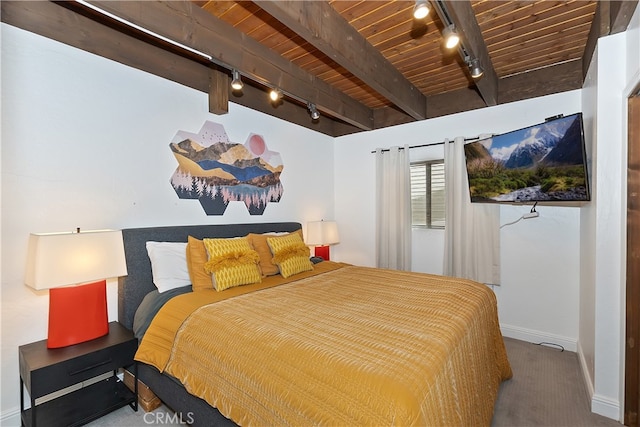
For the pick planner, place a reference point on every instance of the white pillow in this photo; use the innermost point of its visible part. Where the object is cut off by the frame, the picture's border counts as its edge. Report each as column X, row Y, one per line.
column 168, row 265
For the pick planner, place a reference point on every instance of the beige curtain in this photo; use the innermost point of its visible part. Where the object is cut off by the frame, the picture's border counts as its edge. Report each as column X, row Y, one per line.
column 393, row 208
column 472, row 230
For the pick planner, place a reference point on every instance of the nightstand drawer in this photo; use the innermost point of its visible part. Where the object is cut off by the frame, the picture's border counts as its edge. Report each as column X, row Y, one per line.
column 55, row 377
column 44, row 371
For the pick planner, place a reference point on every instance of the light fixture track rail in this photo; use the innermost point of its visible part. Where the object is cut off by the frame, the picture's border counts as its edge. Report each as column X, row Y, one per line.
column 236, row 82
column 474, row 65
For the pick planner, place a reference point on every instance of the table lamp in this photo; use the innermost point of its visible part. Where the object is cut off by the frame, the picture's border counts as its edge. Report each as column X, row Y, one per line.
column 74, row 267
column 321, row 234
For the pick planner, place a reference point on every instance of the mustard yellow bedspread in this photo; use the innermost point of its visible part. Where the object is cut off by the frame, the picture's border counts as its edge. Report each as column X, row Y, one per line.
column 352, row 346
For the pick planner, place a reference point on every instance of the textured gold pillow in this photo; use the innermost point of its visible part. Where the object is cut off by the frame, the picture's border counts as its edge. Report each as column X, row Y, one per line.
column 231, row 262
column 196, row 258
column 290, row 254
column 260, row 245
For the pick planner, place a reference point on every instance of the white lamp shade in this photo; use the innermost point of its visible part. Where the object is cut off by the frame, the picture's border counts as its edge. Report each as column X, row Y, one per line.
column 321, row 233
column 60, row 259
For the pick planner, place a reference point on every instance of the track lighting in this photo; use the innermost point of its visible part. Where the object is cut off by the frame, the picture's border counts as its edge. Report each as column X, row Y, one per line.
column 475, row 68
column 236, row 82
column 451, row 38
column 313, row 111
column 275, row 94
column 421, row 9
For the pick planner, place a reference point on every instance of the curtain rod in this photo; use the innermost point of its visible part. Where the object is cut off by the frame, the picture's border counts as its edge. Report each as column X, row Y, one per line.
column 427, row 145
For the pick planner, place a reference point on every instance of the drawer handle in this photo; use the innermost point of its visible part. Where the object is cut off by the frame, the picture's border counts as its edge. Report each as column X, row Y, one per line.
column 88, row 368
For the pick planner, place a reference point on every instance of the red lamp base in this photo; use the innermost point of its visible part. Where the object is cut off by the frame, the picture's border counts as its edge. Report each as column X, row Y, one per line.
column 322, row 252
column 77, row 314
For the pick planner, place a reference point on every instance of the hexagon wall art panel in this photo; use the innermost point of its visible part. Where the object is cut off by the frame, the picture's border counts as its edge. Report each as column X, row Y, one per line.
column 216, row 171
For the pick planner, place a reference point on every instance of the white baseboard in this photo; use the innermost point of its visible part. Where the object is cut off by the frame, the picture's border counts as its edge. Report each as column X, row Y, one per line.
column 606, row 407
column 586, row 373
column 599, row 404
column 10, row 418
column 536, row 337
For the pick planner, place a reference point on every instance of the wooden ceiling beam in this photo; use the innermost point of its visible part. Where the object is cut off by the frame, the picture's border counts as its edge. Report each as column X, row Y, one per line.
column 73, row 24
column 611, row 17
column 65, row 26
column 544, row 81
column 620, row 15
column 463, row 17
column 219, row 83
column 390, row 116
column 592, row 39
column 456, row 101
column 322, row 26
column 186, row 23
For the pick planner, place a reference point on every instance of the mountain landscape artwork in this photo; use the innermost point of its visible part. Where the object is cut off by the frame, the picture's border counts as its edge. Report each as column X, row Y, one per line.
column 215, row 171
column 545, row 162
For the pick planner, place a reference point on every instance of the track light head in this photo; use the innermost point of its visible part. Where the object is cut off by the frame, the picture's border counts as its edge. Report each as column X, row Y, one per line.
column 421, row 9
column 236, row 82
column 275, row 94
column 451, row 38
column 315, row 115
column 475, row 68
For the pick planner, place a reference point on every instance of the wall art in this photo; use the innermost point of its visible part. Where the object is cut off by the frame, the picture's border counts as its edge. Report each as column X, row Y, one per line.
column 216, row 171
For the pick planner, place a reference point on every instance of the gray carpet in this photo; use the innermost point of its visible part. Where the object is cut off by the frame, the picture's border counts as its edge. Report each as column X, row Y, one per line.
column 547, row 389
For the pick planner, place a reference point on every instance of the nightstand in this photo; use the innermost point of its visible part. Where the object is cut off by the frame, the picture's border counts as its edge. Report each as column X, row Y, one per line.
column 44, row 371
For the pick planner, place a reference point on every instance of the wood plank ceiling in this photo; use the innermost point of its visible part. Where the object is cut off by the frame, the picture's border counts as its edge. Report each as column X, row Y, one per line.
column 364, row 64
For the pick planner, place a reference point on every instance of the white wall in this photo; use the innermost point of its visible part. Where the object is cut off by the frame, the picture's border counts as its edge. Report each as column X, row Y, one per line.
column 613, row 73
column 588, row 223
column 85, row 143
column 538, row 298
column 610, row 155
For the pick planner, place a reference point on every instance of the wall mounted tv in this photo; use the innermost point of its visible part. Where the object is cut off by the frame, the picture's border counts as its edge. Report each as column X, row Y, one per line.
column 541, row 163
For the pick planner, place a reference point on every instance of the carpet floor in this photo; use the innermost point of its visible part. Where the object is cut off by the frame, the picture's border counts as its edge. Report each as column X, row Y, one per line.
column 547, row 389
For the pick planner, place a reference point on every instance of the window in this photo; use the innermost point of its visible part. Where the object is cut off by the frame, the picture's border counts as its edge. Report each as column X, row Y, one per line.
column 427, row 194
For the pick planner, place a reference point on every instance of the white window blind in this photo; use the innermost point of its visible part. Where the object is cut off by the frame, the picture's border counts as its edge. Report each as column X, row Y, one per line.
column 427, row 194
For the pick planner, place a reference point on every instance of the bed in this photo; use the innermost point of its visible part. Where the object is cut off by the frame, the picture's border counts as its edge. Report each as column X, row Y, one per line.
column 333, row 344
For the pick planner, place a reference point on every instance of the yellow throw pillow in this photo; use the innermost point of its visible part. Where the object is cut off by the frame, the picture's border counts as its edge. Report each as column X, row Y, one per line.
column 260, row 245
column 290, row 254
column 196, row 258
column 231, row 262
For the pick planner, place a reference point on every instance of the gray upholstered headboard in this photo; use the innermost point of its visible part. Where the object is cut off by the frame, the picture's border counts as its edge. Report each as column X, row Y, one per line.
column 133, row 287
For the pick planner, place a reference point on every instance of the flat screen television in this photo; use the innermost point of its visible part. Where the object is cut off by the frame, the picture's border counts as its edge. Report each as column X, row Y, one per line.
column 541, row 163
